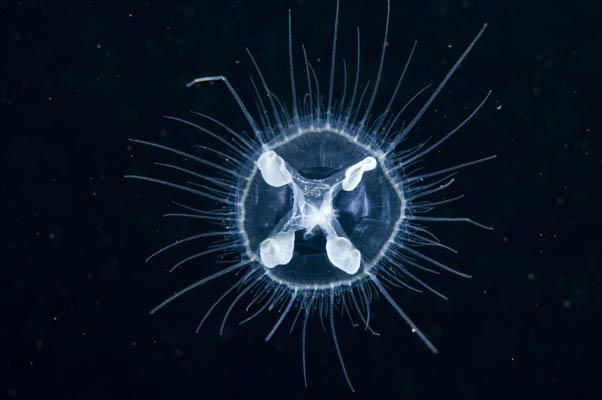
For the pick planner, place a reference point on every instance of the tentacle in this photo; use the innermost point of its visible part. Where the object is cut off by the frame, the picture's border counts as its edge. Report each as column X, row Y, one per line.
column 200, row 282
column 336, row 342
column 403, row 315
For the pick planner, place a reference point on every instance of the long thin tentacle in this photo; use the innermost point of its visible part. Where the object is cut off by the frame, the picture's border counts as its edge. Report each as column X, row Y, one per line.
column 234, row 94
column 282, row 315
column 434, row 95
column 336, row 342
column 332, row 64
column 403, row 315
column 198, row 283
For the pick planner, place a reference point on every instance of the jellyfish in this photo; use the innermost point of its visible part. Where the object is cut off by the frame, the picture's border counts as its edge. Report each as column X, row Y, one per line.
column 323, row 208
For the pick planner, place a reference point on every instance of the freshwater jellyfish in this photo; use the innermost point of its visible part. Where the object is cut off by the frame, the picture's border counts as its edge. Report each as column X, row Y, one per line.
column 318, row 201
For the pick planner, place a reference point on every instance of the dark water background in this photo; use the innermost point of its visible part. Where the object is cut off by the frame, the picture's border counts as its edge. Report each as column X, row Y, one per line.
column 80, row 78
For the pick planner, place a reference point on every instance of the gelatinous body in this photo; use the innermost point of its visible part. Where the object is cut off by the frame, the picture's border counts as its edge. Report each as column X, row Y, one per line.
column 320, row 194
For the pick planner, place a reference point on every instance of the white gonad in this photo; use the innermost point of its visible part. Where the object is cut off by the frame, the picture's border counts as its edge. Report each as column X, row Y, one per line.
column 353, row 174
column 277, row 250
column 342, row 254
column 273, row 169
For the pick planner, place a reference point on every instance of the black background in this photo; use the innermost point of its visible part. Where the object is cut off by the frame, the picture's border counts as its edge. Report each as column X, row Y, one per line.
column 79, row 79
